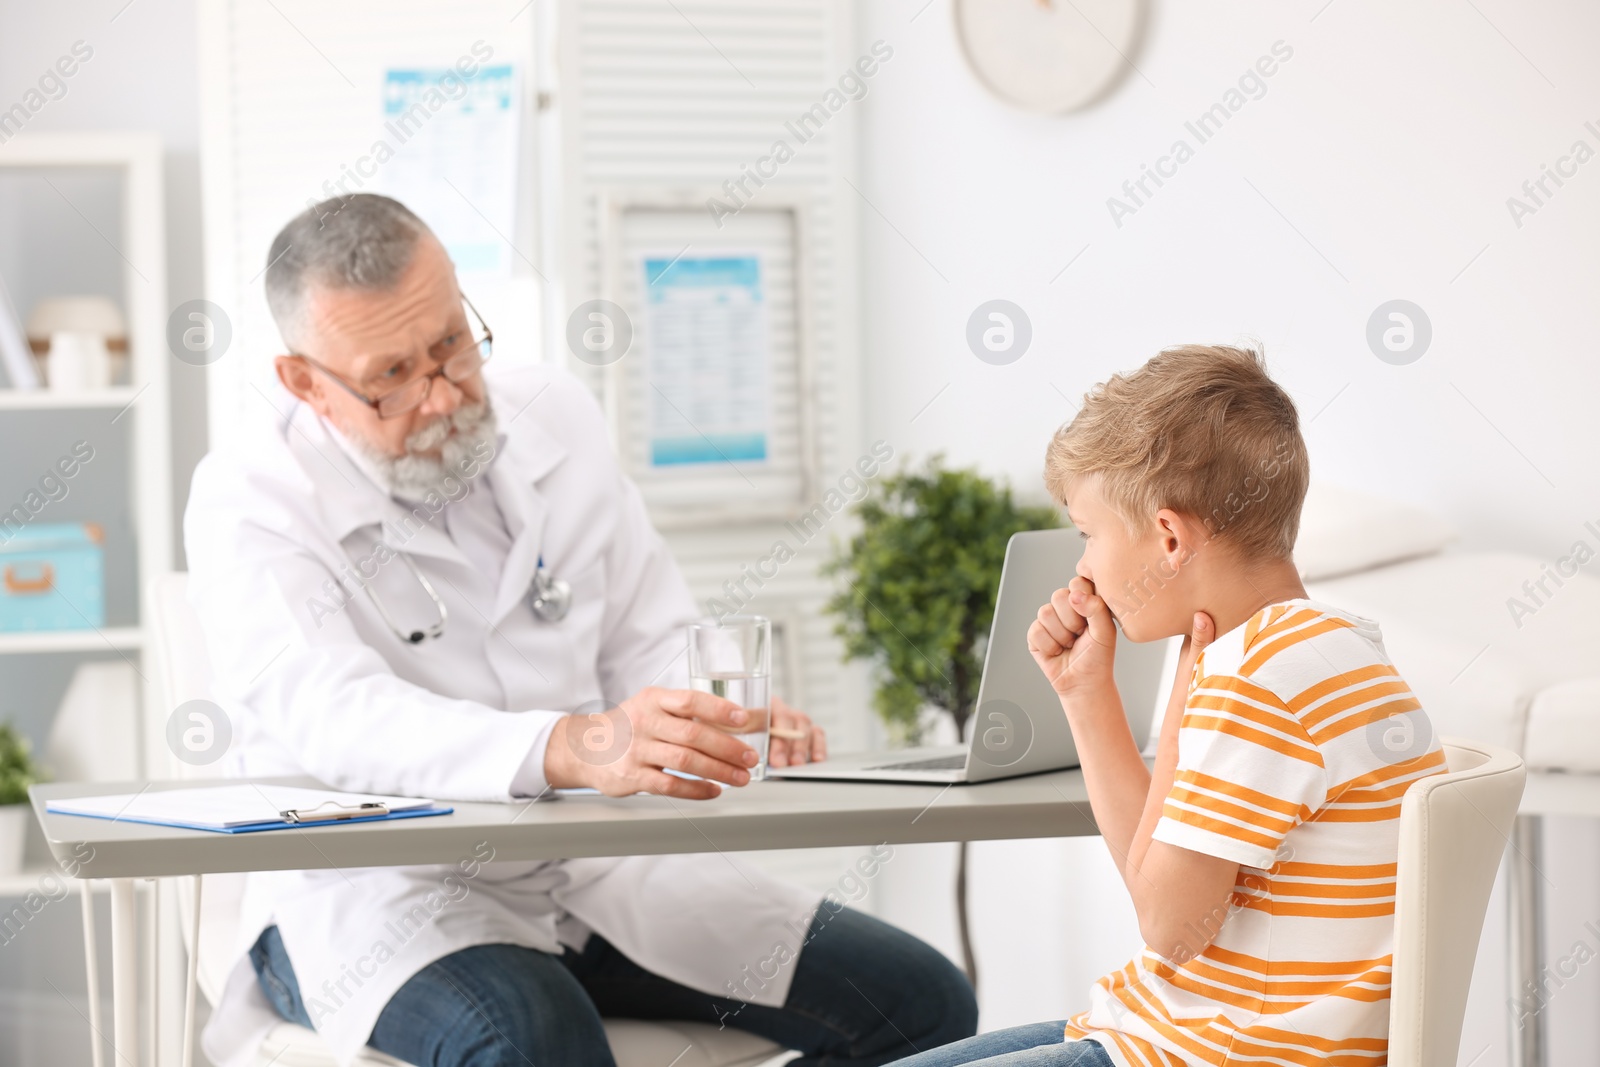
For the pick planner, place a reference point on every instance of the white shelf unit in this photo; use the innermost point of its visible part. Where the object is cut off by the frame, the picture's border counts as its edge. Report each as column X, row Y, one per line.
column 136, row 158
column 117, row 397
column 104, row 639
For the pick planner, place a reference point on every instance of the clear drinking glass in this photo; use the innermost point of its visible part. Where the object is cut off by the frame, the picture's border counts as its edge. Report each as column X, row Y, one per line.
column 732, row 657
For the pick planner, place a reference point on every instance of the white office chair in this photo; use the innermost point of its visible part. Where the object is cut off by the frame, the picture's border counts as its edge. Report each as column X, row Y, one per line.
column 184, row 671
column 1454, row 828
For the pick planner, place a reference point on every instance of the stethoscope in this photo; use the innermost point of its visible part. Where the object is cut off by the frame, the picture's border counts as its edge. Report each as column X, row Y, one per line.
column 550, row 598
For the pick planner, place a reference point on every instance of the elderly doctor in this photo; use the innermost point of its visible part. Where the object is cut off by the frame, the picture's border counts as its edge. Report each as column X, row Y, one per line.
column 379, row 576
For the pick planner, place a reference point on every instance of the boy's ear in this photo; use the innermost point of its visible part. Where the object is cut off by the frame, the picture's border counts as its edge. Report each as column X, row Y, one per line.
column 1182, row 535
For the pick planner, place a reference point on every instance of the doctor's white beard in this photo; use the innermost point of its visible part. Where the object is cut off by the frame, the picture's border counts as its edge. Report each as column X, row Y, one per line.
column 415, row 474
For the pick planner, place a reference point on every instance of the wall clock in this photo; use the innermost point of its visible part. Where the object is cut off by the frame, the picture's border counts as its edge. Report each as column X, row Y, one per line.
column 1051, row 56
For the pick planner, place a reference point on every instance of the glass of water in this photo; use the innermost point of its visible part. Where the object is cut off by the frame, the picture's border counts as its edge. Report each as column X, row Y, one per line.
column 732, row 657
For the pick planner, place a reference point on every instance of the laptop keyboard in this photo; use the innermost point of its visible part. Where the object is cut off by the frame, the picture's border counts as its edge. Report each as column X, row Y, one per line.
column 941, row 763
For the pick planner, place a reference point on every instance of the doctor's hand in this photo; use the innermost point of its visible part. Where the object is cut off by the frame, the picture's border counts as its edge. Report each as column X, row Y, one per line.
column 786, row 749
column 627, row 749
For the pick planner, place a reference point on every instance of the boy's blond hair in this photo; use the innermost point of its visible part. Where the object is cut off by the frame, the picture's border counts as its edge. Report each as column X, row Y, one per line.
column 1200, row 429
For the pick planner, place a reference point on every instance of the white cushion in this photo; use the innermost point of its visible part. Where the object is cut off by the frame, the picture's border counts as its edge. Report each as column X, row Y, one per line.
column 1345, row 530
column 634, row 1043
column 656, row 1043
column 289, row 1045
column 1447, row 626
column 1564, row 727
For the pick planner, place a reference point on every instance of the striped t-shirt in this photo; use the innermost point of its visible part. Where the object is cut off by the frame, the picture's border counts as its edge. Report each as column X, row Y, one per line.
column 1296, row 745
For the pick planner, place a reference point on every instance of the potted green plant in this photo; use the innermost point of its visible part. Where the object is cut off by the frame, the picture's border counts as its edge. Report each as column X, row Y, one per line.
column 17, row 773
column 917, row 597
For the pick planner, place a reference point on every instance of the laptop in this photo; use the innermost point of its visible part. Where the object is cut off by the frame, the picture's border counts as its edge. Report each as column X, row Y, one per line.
column 1019, row 726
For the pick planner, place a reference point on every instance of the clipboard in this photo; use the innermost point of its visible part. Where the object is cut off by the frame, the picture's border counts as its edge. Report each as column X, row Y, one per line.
column 247, row 808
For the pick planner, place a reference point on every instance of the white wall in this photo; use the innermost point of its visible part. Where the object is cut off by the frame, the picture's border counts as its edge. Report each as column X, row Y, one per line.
column 1390, row 140
column 1376, row 166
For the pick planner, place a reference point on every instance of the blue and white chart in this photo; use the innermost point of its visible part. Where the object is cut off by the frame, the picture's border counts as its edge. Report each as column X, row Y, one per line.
column 709, row 359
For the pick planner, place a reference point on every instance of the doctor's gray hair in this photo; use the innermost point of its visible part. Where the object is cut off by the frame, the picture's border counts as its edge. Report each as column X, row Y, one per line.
column 363, row 241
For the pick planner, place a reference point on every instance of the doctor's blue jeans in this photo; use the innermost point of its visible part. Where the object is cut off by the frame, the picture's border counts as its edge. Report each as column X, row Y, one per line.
column 864, row 993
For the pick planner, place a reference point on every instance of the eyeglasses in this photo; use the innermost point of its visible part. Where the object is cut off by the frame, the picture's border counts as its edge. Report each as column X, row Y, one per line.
column 460, row 356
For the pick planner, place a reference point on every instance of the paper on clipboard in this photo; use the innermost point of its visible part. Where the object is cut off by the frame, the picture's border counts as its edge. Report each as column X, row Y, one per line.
column 223, row 807
column 710, row 358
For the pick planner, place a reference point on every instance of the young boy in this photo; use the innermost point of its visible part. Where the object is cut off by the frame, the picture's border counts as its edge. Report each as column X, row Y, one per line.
column 1260, row 854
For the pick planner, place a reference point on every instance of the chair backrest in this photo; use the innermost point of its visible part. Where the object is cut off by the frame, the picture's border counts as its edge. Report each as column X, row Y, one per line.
column 1454, row 828
column 183, row 668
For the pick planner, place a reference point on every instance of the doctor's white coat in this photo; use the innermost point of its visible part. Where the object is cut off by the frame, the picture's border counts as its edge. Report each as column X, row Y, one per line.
column 315, row 682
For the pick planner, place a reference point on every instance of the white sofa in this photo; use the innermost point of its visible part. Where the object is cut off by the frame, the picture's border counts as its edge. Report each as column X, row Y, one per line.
column 1490, row 655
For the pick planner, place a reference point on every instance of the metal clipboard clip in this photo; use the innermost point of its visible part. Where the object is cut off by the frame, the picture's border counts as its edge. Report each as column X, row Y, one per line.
column 340, row 812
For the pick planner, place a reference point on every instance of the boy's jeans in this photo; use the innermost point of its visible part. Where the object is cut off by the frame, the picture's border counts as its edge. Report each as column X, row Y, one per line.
column 1034, row 1045
column 864, row 993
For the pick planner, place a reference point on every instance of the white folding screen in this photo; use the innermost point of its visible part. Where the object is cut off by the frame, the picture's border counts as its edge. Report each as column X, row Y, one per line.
column 680, row 102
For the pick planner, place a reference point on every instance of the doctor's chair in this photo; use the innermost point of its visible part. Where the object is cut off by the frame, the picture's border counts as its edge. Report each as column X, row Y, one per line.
column 184, row 673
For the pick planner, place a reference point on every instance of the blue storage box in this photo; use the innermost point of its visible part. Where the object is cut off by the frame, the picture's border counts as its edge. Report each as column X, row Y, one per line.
column 52, row 577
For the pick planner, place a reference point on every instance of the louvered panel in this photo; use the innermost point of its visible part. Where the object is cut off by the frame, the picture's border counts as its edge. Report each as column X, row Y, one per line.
column 674, row 100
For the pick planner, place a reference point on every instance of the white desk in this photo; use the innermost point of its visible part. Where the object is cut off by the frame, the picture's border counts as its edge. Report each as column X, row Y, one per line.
column 766, row 815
